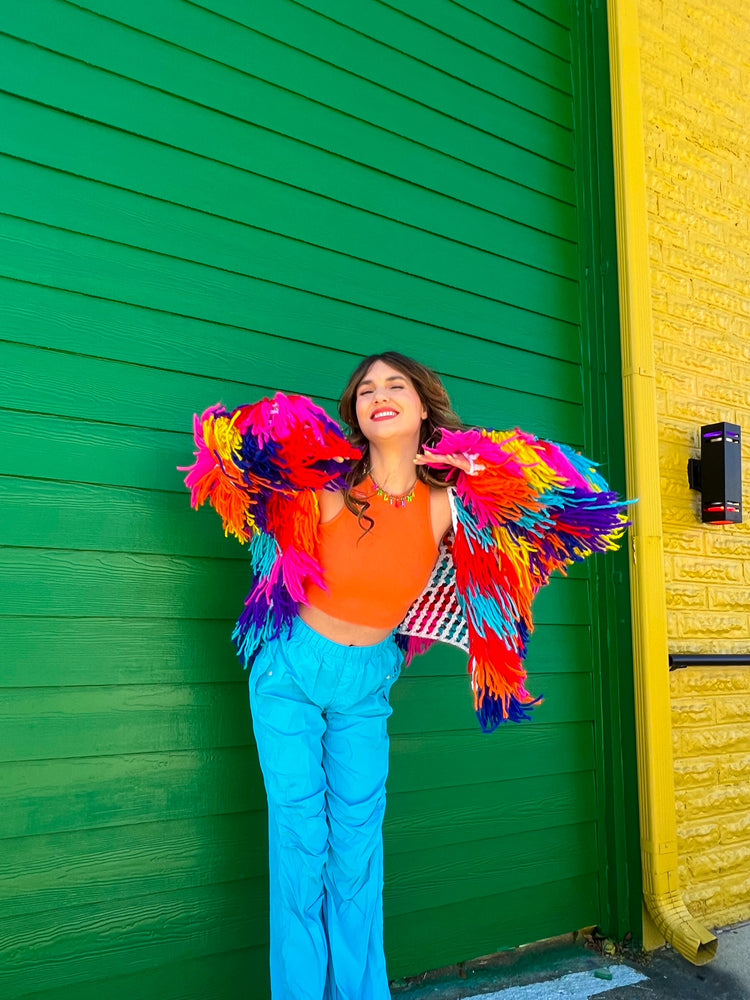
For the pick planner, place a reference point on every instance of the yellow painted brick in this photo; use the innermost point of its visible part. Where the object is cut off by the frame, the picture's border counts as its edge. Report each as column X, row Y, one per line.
column 685, row 596
column 678, row 645
column 713, row 800
column 659, row 300
column 714, row 208
column 735, row 710
column 742, row 351
column 673, row 479
column 714, row 344
column 709, row 229
column 675, row 457
column 672, row 283
column 673, row 431
column 673, row 622
column 730, row 864
column 679, row 514
column 670, row 330
column 673, row 213
column 662, row 400
column 710, row 680
column 660, row 230
column 740, row 370
column 682, row 516
column 736, row 195
column 701, row 897
column 734, row 767
column 709, row 168
column 677, row 510
column 699, row 411
column 729, row 598
column 719, row 298
column 732, row 262
column 704, row 742
column 698, row 359
column 698, row 314
column 734, row 829
column 723, row 394
column 698, row 182
column 677, row 381
column 676, row 491
column 719, row 915
column 727, row 916
column 705, row 624
column 680, row 261
column 695, row 771
column 652, row 43
column 724, row 342
column 707, row 570
column 690, row 712
column 678, row 507
column 728, row 541
column 705, row 164
column 684, row 540
column 735, row 889
column 698, row 836
column 679, row 111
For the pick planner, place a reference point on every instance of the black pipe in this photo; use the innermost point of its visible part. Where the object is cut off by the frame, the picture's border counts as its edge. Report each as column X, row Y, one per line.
column 679, row 660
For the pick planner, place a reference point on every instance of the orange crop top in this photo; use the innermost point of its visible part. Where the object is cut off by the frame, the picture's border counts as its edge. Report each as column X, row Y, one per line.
column 374, row 578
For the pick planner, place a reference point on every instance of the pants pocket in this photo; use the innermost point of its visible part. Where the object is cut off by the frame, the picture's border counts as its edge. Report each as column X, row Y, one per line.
column 261, row 665
column 393, row 674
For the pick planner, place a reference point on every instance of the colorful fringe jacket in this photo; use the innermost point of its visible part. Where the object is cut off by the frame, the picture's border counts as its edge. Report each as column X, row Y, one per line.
column 536, row 507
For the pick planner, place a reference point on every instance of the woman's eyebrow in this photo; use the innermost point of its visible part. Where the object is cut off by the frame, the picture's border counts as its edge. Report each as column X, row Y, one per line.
column 391, row 378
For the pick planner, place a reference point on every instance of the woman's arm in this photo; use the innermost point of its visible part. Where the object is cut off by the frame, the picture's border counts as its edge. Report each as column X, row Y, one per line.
column 259, row 467
column 541, row 500
column 273, row 448
column 534, row 507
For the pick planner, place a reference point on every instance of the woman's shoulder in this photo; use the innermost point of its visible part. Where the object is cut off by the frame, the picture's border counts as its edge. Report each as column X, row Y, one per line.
column 440, row 511
column 330, row 503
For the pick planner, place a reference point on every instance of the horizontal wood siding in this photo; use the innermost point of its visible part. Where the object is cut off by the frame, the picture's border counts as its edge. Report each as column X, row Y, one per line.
column 207, row 201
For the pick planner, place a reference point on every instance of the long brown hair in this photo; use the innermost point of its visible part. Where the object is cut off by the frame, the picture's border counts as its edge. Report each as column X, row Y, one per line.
column 434, row 397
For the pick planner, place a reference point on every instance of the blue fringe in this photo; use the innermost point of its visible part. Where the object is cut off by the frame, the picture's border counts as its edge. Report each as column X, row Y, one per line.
column 262, row 462
column 490, row 715
column 495, row 612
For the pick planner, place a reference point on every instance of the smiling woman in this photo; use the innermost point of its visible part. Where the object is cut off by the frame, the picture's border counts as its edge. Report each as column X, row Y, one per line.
column 477, row 521
column 388, row 397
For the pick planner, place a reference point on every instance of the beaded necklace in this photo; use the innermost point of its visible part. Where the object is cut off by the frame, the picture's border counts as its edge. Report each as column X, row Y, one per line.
column 395, row 499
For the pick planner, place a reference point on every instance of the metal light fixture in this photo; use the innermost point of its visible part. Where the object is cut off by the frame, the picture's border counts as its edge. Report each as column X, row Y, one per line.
column 718, row 473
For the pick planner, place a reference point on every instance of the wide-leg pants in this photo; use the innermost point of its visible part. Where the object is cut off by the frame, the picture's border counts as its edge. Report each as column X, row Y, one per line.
column 320, row 714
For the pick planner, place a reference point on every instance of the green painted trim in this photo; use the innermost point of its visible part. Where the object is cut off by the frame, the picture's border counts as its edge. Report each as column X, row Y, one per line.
column 620, row 888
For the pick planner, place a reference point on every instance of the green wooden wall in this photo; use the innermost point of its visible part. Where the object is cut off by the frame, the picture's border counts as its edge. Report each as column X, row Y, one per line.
column 206, row 201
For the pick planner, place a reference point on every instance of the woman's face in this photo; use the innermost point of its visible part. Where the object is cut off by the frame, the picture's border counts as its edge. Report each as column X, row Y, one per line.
column 388, row 405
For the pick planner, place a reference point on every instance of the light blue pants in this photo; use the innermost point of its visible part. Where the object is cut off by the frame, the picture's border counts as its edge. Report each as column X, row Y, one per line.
column 320, row 714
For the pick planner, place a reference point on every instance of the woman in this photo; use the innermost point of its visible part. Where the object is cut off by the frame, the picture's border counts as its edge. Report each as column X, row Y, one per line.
column 363, row 548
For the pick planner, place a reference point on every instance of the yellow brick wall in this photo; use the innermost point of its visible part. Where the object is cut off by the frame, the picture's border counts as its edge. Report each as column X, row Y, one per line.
column 695, row 70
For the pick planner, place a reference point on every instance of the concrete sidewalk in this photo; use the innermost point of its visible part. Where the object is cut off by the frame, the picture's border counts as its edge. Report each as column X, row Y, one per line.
column 568, row 970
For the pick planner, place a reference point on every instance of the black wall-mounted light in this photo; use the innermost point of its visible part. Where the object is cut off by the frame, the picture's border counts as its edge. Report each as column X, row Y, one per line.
column 718, row 474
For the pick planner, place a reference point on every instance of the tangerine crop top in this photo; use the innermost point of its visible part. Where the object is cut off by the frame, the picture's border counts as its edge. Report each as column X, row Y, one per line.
column 373, row 578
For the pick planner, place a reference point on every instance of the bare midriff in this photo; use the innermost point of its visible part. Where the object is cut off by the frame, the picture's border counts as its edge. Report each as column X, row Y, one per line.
column 345, row 633
column 371, row 577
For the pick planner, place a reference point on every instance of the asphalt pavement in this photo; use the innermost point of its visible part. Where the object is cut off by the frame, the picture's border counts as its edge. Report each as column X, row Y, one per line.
column 584, row 967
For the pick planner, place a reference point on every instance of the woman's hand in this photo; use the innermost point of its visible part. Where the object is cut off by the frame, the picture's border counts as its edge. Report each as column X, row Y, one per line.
column 463, row 461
